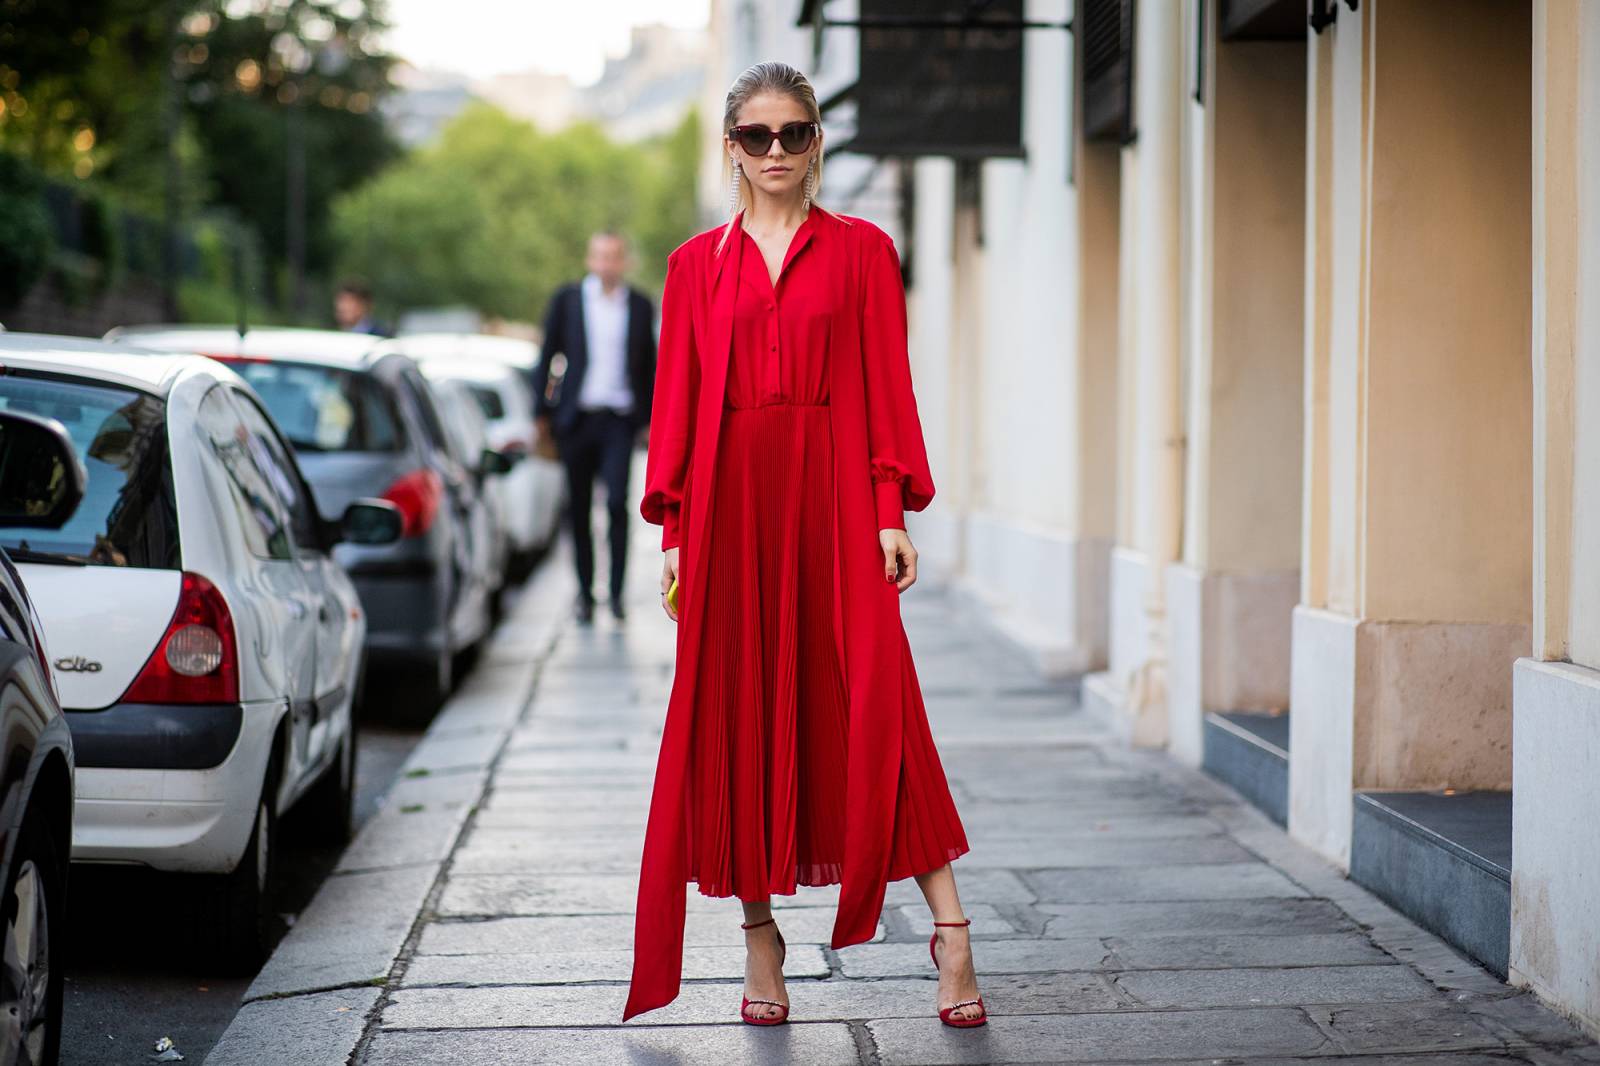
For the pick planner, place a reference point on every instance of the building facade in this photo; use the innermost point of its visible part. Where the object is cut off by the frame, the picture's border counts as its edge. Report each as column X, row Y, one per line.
column 1263, row 392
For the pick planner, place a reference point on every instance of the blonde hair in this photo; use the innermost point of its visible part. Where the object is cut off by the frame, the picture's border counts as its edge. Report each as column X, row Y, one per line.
column 770, row 77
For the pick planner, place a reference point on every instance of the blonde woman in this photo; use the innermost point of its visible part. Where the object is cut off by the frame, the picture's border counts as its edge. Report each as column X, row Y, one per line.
column 785, row 451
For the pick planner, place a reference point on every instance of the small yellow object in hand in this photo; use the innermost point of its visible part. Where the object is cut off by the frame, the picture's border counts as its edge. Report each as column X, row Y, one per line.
column 672, row 596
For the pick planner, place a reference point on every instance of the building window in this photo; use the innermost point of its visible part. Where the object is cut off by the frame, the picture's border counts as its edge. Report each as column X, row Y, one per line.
column 1106, row 29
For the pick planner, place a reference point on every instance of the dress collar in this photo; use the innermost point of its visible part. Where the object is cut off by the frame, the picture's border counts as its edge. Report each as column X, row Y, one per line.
column 801, row 238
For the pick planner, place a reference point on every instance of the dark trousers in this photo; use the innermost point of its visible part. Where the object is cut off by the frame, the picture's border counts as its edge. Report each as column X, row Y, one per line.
column 599, row 443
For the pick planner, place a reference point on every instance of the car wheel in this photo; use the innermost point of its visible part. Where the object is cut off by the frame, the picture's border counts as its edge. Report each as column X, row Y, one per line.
column 30, row 971
column 242, row 923
column 328, row 810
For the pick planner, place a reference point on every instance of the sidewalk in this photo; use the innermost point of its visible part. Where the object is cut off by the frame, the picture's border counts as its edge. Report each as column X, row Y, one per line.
column 1125, row 909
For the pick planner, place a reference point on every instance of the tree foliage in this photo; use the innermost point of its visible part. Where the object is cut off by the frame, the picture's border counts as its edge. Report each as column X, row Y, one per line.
column 92, row 92
column 496, row 214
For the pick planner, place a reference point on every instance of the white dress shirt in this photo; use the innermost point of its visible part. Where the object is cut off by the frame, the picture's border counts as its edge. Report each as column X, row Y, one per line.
column 605, row 328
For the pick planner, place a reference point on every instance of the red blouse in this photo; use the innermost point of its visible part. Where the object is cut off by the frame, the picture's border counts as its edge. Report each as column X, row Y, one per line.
column 780, row 352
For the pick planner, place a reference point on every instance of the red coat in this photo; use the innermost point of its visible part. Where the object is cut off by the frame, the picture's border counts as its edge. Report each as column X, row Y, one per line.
column 881, row 466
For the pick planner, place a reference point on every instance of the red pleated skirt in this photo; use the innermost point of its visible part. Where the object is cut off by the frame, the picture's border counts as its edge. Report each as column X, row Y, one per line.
column 766, row 780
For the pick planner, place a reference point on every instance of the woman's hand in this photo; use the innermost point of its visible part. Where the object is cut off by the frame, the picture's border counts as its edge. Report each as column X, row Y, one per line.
column 669, row 574
column 899, row 558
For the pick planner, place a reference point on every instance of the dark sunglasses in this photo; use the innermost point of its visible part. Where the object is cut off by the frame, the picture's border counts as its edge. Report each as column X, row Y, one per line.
column 795, row 138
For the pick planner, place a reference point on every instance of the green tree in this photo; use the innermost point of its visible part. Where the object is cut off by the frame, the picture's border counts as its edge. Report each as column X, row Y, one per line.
column 496, row 214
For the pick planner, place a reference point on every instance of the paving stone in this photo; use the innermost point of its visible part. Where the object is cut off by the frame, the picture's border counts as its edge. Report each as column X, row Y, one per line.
column 532, row 854
column 507, row 895
column 1038, row 853
column 315, row 1030
column 350, row 934
column 1240, row 880
column 552, row 818
column 1044, row 821
column 1519, row 1016
column 1433, row 1025
column 1195, row 952
column 817, row 1044
column 404, row 835
column 525, row 1006
column 440, row 754
column 992, row 957
column 994, row 886
column 985, row 921
column 559, row 967
column 437, row 791
column 1106, row 1037
column 1247, row 917
column 1277, row 986
column 800, row 926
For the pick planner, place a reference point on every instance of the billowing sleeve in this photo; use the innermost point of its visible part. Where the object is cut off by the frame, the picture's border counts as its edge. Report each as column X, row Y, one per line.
column 900, row 478
column 672, row 406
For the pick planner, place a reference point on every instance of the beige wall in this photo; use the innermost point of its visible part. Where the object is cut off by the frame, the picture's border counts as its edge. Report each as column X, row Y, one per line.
column 1245, row 434
column 1419, row 474
column 1098, row 176
column 1448, row 392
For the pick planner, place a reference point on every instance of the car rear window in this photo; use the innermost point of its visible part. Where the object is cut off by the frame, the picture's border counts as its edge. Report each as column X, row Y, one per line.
column 323, row 408
column 128, row 516
column 489, row 401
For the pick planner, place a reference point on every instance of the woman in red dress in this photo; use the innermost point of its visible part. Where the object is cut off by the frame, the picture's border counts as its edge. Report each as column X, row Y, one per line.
column 784, row 450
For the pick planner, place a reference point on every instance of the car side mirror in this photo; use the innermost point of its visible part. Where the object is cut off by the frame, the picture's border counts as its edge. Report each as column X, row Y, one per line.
column 494, row 462
column 42, row 480
column 371, row 521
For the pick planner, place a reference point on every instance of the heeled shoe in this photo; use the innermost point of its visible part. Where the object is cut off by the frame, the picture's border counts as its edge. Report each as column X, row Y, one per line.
column 746, row 1002
column 948, row 1015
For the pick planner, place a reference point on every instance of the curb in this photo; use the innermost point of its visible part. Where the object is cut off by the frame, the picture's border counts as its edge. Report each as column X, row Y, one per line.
column 310, row 1003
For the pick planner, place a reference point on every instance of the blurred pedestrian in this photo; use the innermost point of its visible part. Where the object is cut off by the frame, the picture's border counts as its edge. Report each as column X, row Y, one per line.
column 784, row 452
column 352, row 309
column 601, row 333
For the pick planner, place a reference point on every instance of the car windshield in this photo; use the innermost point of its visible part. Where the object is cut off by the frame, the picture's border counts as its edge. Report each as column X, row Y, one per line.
column 128, row 516
column 322, row 408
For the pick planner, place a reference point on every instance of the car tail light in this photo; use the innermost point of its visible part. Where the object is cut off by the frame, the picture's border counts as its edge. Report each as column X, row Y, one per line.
column 417, row 494
column 196, row 660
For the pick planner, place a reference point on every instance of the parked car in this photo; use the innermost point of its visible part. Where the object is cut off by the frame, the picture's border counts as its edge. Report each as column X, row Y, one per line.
column 207, row 647
column 544, row 477
column 363, row 421
column 533, row 492
column 466, row 434
column 41, row 482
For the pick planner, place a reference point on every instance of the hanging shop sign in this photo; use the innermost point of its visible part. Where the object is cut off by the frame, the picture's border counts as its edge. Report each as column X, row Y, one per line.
column 939, row 78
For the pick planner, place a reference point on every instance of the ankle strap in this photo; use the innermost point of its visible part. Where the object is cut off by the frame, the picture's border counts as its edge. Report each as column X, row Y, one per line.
column 756, row 925
column 962, row 922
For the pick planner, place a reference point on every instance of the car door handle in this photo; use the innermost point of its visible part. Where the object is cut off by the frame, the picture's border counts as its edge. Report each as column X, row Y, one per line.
column 297, row 610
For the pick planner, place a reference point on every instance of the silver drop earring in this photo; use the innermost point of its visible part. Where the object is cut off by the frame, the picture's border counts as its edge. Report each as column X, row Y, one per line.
column 733, row 190
column 811, row 183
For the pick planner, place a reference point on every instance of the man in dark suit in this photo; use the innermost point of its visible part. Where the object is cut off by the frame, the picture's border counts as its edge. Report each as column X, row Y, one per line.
column 603, row 332
column 352, row 309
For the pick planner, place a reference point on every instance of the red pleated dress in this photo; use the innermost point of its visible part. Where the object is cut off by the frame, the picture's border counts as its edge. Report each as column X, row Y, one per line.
column 768, row 751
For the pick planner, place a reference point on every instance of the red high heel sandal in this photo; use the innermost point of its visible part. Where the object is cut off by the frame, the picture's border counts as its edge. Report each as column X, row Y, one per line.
column 746, row 1001
column 948, row 1015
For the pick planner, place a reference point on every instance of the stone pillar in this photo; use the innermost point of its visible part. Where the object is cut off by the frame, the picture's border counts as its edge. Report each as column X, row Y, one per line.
column 1417, row 468
column 1231, row 597
column 1555, row 872
column 1132, row 692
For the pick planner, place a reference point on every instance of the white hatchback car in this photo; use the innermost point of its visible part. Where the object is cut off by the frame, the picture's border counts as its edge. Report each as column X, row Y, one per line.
column 498, row 370
column 206, row 647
